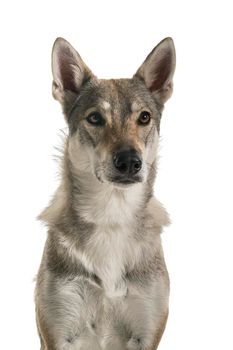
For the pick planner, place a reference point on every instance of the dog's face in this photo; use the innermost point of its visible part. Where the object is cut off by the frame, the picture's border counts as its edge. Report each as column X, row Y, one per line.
column 114, row 124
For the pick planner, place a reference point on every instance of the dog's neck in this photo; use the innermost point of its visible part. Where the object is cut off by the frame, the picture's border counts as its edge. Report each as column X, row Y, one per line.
column 103, row 203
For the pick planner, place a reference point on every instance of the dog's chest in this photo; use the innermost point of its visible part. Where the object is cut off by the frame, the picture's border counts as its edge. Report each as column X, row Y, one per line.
column 107, row 253
column 112, row 245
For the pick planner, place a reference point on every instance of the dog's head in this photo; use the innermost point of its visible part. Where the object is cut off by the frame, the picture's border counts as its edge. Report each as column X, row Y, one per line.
column 113, row 124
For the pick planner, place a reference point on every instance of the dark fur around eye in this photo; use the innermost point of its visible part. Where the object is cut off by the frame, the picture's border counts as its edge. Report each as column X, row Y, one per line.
column 96, row 119
column 144, row 118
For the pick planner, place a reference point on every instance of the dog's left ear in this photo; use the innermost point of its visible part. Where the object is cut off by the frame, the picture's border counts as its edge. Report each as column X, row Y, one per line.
column 158, row 69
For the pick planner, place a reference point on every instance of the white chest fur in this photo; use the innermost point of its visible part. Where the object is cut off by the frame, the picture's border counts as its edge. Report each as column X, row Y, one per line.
column 112, row 245
column 107, row 253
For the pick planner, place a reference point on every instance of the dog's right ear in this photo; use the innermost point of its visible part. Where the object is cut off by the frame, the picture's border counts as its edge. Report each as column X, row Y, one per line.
column 69, row 71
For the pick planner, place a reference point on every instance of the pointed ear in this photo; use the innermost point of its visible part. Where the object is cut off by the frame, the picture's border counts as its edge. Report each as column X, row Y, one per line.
column 158, row 69
column 69, row 71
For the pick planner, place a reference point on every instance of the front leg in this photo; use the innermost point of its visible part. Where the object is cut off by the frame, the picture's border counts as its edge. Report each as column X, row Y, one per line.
column 147, row 313
column 46, row 339
column 138, row 342
column 159, row 332
column 67, row 311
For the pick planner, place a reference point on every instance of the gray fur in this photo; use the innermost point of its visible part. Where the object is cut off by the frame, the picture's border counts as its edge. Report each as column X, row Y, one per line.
column 103, row 282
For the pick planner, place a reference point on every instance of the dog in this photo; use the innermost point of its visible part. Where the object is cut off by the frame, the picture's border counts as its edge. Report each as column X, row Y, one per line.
column 103, row 282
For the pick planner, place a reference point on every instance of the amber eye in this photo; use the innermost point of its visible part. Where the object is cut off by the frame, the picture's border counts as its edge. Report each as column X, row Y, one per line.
column 144, row 118
column 96, row 119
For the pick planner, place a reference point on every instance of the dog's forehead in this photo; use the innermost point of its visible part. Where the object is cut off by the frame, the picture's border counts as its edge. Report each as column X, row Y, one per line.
column 122, row 95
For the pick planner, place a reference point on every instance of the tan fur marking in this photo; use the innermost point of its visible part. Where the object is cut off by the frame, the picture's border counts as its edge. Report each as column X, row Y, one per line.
column 131, row 133
column 108, row 116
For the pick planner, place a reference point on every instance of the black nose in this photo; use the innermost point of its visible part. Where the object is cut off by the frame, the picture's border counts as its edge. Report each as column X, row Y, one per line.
column 127, row 162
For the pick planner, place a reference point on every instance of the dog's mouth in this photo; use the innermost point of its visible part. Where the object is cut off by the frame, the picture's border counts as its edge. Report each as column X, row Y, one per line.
column 125, row 180
column 122, row 181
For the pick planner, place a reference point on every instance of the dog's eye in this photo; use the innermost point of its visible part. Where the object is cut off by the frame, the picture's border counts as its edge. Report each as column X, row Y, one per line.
column 96, row 118
column 144, row 118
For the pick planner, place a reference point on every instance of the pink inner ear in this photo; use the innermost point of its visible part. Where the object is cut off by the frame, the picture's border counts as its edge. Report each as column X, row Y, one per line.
column 67, row 73
column 161, row 73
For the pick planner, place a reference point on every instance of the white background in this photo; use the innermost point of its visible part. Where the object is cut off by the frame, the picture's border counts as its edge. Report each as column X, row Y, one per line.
column 195, row 173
